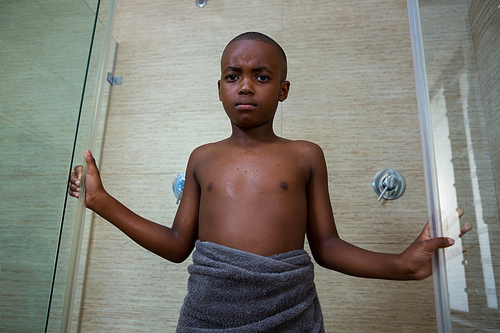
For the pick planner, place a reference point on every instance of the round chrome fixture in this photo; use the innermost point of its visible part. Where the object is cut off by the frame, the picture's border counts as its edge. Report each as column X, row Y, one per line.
column 178, row 185
column 200, row 3
column 389, row 184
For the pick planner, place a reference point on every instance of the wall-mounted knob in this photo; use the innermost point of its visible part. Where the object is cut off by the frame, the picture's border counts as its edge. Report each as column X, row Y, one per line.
column 178, row 185
column 201, row 3
column 389, row 184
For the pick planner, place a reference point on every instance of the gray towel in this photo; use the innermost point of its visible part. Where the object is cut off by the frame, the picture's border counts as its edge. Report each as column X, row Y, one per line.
column 236, row 291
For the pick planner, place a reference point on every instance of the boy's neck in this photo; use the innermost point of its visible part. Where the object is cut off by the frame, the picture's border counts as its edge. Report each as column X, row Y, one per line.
column 252, row 136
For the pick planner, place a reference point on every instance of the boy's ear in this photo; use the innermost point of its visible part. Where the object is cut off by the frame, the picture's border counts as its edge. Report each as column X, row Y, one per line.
column 285, row 87
column 218, row 89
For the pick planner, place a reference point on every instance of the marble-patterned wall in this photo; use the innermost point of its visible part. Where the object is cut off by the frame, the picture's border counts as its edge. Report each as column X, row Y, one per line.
column 352, row 92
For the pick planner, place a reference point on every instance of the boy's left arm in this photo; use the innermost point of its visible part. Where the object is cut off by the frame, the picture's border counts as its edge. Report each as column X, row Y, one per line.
column 330, row 251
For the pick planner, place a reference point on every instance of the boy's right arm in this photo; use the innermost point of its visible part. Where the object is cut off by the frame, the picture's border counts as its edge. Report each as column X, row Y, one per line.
column 174, row 244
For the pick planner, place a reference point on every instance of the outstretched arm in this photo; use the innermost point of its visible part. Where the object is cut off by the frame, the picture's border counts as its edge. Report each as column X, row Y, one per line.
column 174, row 244
column 330, row 251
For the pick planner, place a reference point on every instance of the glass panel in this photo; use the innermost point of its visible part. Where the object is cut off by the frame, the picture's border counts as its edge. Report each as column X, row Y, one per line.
column 462, row 54
column 44, row 56
column 86, row 128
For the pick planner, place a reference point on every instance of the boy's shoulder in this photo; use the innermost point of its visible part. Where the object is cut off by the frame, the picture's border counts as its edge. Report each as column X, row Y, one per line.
column 207, row 148
column 206, row 151
column 305, row 145
column 300, row 147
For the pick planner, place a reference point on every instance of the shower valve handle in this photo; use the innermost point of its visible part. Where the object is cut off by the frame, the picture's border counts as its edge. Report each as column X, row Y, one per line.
column 388, row 184
column 382, row 194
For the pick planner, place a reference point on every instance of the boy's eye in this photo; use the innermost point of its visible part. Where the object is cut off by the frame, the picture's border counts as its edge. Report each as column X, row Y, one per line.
column 262, row 78
column 231, row 77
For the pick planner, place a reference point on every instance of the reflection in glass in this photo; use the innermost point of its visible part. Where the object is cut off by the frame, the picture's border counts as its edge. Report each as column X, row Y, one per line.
column 462, row 68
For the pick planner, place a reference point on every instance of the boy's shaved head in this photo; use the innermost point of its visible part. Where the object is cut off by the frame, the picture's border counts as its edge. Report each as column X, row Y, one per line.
column 257, row 36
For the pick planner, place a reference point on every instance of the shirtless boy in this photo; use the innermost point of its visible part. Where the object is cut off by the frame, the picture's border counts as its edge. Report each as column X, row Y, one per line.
column 257, row 193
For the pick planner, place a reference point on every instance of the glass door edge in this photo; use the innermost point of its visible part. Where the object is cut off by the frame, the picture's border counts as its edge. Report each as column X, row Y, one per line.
column 441, row 295
column 76, row 245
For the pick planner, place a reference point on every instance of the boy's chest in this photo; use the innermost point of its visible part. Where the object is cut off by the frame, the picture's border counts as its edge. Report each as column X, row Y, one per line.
column 252, row 171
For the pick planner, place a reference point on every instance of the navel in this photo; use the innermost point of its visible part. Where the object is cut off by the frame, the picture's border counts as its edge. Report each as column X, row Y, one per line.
column 209, row 186
column 284, row 185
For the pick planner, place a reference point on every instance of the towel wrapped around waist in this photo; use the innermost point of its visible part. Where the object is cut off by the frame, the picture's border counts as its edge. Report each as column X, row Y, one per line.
column 235, row 291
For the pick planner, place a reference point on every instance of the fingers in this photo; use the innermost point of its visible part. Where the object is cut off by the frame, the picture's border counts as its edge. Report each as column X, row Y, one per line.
column 91, row 163
column 78, row 171
column 438, row 243
column 442, row 242
column 74, row 185
column 465, row 229
column 76, row 176
column 89, row 158
column 75, row 181
column 451, row 219
column 454, row 252
column 425, row 234
column 457, row 233
column 447, row 222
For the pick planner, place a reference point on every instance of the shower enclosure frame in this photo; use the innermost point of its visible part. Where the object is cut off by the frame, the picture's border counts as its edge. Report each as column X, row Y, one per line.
column 90, row 144
column 442, row 302
column 439, row 269
column 441, row 292
column 443, row 313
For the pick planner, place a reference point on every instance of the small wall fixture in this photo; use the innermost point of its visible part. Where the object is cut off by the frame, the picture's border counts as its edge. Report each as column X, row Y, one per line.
column 114, row 80
column 200, row 3
column 178, row 185
column 389, row 184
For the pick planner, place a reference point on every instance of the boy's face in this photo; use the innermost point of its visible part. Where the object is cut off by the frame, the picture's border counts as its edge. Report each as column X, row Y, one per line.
column 252, row 82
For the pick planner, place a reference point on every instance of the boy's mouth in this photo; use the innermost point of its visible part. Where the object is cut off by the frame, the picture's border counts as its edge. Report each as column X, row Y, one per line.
column 245, row 104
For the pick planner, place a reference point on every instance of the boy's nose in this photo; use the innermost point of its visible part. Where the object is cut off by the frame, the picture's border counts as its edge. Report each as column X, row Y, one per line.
column 246, row 87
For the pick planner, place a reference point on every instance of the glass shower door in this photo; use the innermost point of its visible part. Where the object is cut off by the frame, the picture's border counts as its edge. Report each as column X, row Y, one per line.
column 44, row 65
column 462, row 52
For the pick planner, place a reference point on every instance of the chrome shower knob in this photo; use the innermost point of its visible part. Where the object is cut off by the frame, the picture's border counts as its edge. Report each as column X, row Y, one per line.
column 201, row 3
column 389, row 184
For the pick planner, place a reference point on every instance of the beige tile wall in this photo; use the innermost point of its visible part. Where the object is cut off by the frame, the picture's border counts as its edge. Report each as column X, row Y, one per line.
column 352, row 92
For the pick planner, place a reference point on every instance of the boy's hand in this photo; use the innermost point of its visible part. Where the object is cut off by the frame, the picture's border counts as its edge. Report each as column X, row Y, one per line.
column 93, row 187
column 417, row 257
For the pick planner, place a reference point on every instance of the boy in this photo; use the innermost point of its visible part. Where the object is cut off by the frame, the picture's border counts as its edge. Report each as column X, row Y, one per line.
column 247, row 204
